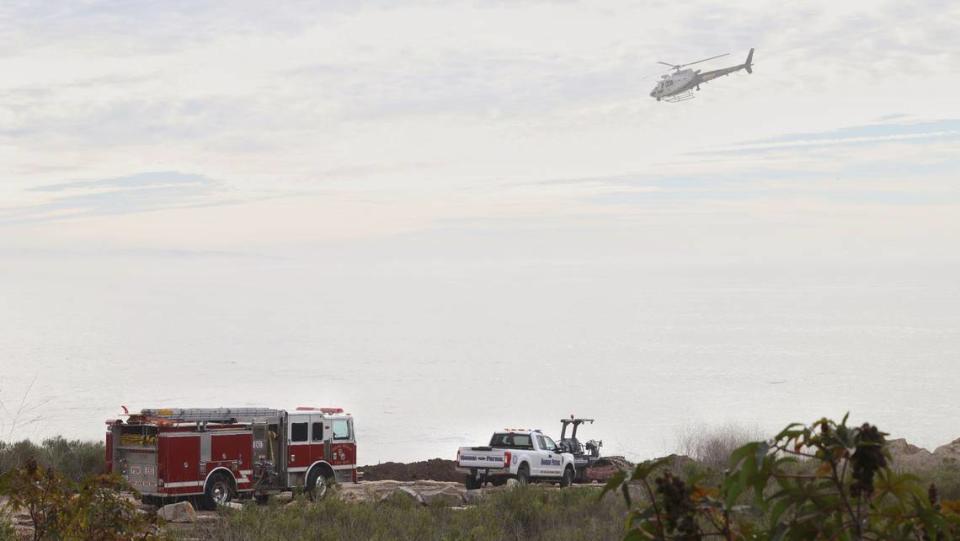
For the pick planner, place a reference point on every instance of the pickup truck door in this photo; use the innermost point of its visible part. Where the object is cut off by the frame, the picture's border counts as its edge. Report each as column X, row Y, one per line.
column 550, row 461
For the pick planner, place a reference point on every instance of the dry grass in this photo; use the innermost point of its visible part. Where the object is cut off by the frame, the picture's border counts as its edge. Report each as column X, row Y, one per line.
column 712, row 446
column 522, row 513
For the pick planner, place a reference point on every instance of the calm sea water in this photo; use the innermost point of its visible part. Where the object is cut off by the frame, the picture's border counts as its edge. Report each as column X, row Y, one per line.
column 433, row 354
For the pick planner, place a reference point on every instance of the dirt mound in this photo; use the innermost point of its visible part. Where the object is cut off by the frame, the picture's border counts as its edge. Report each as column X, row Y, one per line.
column 435, row 469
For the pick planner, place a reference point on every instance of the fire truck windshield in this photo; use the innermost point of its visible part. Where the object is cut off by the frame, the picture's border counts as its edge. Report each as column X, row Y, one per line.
column 341, row 429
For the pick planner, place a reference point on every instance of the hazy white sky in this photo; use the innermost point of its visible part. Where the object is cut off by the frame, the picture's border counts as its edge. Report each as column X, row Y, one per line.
column 206, row 125
column 490, row 135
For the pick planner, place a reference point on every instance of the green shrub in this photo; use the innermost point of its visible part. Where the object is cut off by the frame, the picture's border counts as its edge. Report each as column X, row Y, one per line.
column 74, row 459
column 7, row 531
column 946, row 477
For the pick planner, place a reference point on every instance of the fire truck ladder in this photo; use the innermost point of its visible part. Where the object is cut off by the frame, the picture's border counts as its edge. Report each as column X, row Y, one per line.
column 212, row 415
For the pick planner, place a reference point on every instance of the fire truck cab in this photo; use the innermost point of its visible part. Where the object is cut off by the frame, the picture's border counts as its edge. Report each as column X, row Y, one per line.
column 218, row 454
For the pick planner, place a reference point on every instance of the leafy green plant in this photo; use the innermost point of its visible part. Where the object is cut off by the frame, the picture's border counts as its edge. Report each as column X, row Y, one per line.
column 822, row 481
column 61, row 509
column 39, row 492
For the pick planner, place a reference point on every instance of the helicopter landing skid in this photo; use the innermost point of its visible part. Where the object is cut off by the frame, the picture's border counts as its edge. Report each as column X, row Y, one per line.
column 683, row 96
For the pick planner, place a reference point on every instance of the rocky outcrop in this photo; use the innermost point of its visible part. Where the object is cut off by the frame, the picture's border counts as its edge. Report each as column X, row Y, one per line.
column 907, row 457
column 441, row 493
column 949, row 453
column 424, row 492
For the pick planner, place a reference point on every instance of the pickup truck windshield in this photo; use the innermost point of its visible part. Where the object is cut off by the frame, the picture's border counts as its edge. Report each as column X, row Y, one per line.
column 507, row 440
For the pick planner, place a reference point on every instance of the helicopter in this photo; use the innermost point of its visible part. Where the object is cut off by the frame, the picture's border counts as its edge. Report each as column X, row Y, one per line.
column 679, row 85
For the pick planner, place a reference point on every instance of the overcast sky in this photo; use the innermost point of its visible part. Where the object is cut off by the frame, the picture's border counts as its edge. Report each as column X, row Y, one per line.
column 515, row 135
column 206, row 125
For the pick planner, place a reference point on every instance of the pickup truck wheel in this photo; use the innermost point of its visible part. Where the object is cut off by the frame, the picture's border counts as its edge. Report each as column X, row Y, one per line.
column 471, row 482
column 567, row 478
column 523, row 474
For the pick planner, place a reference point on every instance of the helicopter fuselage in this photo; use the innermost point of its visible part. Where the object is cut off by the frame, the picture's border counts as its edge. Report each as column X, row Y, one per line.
column 682, row 81
column 676, row 83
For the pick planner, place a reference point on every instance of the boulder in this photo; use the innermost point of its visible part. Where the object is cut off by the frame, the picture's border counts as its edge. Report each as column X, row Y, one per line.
column 405, row 491
column 237, row 506
column 178, row 512
column 447, row 496
column 354, row 493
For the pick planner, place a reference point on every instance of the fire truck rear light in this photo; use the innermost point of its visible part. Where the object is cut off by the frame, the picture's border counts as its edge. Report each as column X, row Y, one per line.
column 506, row 459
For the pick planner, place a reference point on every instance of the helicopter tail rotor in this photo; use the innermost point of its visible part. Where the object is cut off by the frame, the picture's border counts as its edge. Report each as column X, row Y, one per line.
column 748, row 65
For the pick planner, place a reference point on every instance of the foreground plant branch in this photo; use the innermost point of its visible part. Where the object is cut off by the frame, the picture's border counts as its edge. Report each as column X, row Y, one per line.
column 822, row 481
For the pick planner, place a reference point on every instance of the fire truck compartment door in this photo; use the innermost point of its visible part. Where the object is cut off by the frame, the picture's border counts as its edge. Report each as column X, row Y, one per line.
column 140, row 469
column 182, row 460
column 204, row 450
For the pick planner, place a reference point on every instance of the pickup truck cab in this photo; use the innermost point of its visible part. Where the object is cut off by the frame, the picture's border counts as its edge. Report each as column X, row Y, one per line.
column 524, row 455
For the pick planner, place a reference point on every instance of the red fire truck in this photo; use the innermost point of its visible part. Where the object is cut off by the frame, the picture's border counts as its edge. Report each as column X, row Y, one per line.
column 218, row 454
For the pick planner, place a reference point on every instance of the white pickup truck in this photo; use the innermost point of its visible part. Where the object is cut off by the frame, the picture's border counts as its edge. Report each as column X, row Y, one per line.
column 524, row 455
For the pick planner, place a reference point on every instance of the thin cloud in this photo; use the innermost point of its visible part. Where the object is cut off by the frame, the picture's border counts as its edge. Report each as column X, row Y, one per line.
column 139, row 192
column 138, row 181
column 947, row 129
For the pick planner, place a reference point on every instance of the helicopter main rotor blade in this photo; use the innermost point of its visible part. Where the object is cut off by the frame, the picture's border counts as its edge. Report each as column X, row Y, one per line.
column 665, row 64
column 705, row 59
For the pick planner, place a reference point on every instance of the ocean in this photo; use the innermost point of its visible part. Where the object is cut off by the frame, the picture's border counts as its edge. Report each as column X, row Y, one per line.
column 433, row 353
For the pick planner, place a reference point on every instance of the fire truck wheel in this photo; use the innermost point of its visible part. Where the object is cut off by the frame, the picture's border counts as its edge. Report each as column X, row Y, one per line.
column 219, row 490
column 317, row 484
